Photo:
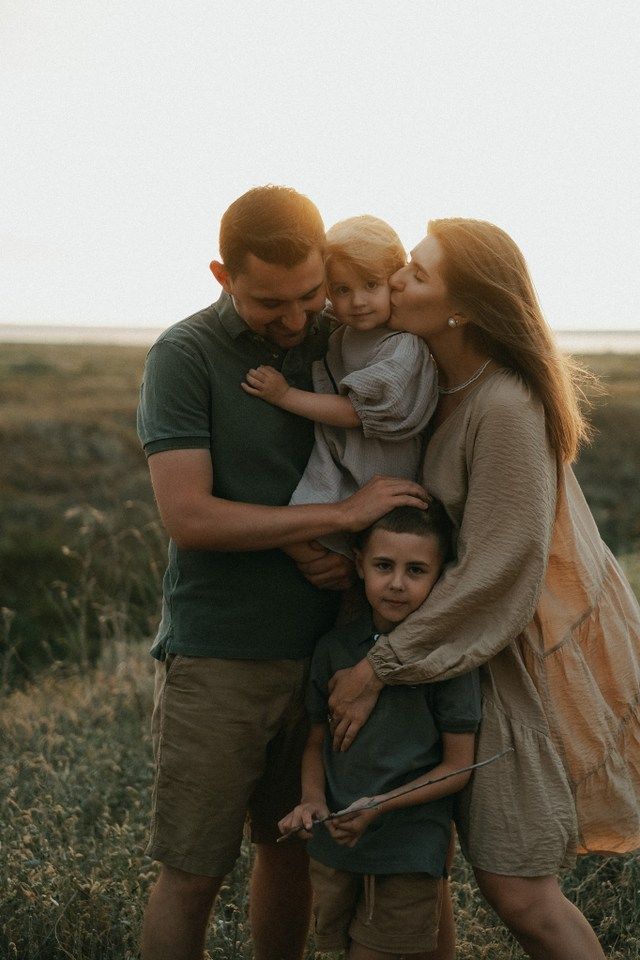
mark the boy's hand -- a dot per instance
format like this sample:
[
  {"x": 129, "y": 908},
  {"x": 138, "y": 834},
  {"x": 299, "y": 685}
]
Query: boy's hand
[
  {"x": 303, "y": 816},
  {"x": 348, "y": 830},
  {"x": 266, "y": 383}
]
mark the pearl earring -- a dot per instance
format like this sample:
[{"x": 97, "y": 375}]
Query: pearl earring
[{"x": 452, "y": 322}]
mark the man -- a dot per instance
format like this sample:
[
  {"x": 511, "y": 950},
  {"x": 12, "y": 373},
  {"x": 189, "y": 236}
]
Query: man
[{"x": 239, "y": 618}]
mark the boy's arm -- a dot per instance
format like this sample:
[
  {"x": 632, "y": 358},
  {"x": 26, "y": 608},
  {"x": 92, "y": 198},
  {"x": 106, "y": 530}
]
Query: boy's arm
[
  {"x": 457, "y": 751},
  {"x": 268, "y": 384},
  {"x": 313, "y": 804}
]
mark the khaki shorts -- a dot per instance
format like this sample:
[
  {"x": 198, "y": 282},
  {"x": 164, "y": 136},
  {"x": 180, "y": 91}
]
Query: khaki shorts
[
  {"x": 228, "y": 737},
  {"x": 395, "y": 913}
]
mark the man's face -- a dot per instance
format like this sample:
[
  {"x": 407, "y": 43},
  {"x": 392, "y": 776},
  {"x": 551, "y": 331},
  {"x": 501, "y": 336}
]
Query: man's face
[{"x": 276, "y": 302}]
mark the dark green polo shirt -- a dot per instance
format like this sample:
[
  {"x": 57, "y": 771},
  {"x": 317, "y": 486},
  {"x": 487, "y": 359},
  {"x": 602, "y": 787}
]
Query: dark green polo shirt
[
  {"x": 253, "y": 605},
  {"x": 400, "y": 741}
]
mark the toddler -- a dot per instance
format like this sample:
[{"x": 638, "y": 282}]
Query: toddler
[
  {"x": 375, "y": 390},
  {"x": 377, "y": 877}
]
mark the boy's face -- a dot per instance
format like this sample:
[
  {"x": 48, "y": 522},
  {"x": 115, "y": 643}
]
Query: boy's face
[
  {"x": 399, "y": 571},
  {"x": 360, "y": 301}
]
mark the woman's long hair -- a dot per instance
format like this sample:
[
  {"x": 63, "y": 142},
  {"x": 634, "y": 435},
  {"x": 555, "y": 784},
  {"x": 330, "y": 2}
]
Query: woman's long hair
[{"x": 485, "y": 271}]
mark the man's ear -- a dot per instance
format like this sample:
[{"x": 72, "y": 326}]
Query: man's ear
[
  {"x": 221, "y": 274},
  {"x": 357, "y": 557}
]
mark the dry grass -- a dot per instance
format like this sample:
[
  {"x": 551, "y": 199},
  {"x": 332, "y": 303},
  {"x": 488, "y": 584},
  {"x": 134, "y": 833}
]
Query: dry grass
[{"x": 75, "y": 775}]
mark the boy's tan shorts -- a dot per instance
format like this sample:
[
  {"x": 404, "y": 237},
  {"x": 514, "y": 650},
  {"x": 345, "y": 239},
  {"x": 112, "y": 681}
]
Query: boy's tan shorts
[
  {"x": 228, "y": 737},
  {"x": 394, "y": 913}
]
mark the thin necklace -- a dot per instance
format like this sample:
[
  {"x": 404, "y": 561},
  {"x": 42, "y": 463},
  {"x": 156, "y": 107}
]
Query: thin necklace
[{"x": 472, "y": 379}]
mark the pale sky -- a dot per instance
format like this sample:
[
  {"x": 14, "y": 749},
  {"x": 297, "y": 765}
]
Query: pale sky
[{"x": 129, "y": 127}]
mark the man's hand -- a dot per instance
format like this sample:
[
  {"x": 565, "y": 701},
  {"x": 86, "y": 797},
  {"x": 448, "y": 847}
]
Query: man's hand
[
  {"x": 348, "y": 830},
  {"x": 266, "y": 383},
  {"x": 329, "y": 570},
  {"x": 303, "y": 816},
  {"x": 353, "y": 695},
  {"x": 379, "y": 496}
]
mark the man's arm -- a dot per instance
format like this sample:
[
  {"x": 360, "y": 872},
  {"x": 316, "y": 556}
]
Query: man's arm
[{"x": 183, "y": 484}]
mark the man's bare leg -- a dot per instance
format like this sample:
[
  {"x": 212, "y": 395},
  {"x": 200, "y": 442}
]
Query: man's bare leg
[
  {"x": 280, "y": 901},
  {"x": 176, "y": 918}
]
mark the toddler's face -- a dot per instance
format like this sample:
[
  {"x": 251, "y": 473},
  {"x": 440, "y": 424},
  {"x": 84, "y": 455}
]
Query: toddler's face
[
  {"x": 361, "y": 302},
  {"x": 399, "y": 571}
]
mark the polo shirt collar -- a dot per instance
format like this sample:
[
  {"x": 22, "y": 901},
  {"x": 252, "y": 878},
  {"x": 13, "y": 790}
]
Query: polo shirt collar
[{"x": 230, "y": 318}]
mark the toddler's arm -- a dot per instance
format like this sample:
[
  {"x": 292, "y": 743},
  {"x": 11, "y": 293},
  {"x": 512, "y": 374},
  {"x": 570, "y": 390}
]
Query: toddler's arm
[
  {"x": 268, "y": 384},
  {"x": 457, "y": 752},
  {"x": 313, "y": 804}
]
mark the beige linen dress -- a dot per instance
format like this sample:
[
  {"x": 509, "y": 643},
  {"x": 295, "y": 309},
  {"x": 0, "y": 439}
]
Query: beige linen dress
[{"x": 537, "y": 600}]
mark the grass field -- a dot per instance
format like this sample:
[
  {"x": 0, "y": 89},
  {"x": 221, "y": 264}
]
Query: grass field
[{"x": 81, "y": 556}]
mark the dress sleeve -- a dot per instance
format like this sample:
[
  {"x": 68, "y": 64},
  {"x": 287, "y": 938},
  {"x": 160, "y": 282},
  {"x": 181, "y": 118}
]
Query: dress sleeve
[
  {"x": 483, "y": 601},
  {"x": 395, "y": 395},
  {"x": 175, "y": 404}
]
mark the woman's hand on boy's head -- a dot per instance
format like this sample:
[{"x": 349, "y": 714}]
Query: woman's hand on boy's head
[
  {"x": 303, "y": 817},
  {"x": 266, "y": 383}
]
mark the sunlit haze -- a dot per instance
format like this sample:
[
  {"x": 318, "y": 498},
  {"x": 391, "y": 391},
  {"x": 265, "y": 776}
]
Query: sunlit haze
[{"x": 128, "y": 128}]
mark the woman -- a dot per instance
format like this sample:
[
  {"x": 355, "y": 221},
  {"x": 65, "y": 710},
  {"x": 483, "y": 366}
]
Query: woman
[{"x": 535, "y": 598}]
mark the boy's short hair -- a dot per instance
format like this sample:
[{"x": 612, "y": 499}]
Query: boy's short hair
[
  {"x": 367, "y": 244},
  {"x": 275, "y": 224},
  {"x": 432, "y": 522}
]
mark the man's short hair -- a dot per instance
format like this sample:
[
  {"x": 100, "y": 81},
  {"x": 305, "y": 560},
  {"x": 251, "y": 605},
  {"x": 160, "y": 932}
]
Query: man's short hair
[
  {"x": 432, "y": 522},
  {"x": 275, "y": 224}
]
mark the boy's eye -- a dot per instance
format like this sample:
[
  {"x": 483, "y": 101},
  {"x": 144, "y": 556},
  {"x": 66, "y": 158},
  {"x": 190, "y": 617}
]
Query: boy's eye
[
  {"x": 383, "y": 565},
  {"x": 416, "y": 570},
  {"x": 372, "y": 284},
  {"x": 340, "y": 291}
]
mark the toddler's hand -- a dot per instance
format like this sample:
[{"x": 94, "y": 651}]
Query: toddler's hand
[
  {"x": 304, "y": 816},
  {"x": 266, "y": 383},
  {"x": 348, "y": 830}
]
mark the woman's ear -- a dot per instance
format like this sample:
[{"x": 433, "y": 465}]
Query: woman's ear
[{"x": 221, "y": 274}]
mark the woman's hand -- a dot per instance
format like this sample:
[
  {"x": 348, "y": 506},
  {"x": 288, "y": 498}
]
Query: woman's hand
[
  {"x": 304, "y": 816},
  {"x": 353, "y": 693},
  {"x": 348, "y": 830},
  {"x": 266, "y": 383},
  {"x": 379, "y": 496}
]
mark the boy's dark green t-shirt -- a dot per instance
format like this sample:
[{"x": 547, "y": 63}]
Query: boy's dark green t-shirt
[
  {"x": 401, "y": 740},
  {"x": 251, "y": 605}
]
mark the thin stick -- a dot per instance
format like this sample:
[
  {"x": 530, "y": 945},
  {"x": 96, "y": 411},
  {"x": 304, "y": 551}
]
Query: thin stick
[{"x": 373, "y": 804}]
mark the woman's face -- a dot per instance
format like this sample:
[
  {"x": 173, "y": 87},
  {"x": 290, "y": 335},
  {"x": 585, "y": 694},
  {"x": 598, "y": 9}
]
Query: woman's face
[{"x": 420, "y": 302}]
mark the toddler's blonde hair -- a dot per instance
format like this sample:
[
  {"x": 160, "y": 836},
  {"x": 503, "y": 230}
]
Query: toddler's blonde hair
[{"x": 367, "y": 244}]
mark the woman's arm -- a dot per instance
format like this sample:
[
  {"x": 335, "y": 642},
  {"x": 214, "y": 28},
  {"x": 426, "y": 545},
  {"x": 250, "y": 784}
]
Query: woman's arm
[
  {"x": 268, "y": 384},
  {"x": 485, "y": 600}
]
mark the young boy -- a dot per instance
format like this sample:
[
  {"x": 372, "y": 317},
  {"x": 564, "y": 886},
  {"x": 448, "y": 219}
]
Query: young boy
[{"x": 377, "y": 877}]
